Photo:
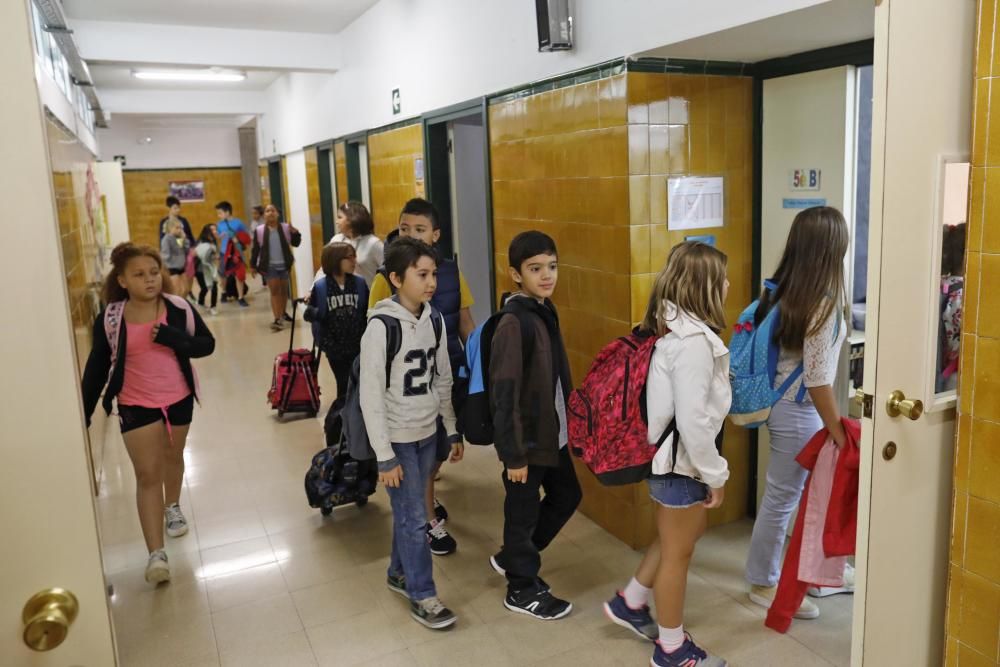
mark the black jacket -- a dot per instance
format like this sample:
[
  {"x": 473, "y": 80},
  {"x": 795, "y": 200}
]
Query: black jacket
[
  {"x": 173, "y": 335},
  {"x": 260, "y": 259}
]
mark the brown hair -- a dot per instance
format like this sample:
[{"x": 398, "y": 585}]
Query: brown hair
[
  {"x": 358, "y": 217},
  {"x": 120, "y": 257},
  {"x": 333, "y": 255},
  {"x": 692, "y": 280},
  {"x": 810, "y": 276}
]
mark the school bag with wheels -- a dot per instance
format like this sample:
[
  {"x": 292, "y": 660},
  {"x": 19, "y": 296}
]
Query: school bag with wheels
[
  {"x": 295, "y": 379},
  {"x": 475, "y": 421},
  {"x": 753, "y": 362},
  {"x": 335, "y": 478},
  {"x": 606, "y": 415},
  {"x": 355, "y": 433}
]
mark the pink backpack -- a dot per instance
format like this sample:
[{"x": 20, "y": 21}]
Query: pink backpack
[
  {"x": 284, "y": 227},
  {"x": 114, "y": 316},
  {"x": 607, "y": 414}
]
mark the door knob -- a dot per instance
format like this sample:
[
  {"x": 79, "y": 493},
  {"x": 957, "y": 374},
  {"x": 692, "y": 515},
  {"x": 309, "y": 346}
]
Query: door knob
[
  {"x": 899, "y": 405},
  {"x": 47, "y": 617}
]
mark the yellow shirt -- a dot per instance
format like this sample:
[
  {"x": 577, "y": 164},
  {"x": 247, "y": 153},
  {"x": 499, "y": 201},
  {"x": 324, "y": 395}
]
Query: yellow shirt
[{"x": 380, "y": 290}]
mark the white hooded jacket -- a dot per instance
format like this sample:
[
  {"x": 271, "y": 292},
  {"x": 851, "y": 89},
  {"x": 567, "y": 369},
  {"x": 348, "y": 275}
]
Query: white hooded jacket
[{"x": 419, "y": 384}]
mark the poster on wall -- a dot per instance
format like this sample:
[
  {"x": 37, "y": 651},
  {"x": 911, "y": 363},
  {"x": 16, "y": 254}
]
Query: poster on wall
[
  {"x": 694, "y": 202},
  {"x": 188, "y": 191}
]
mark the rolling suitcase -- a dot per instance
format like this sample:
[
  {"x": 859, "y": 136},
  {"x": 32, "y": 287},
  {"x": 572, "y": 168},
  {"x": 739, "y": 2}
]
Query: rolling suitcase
[{"x": 295, "y": 379}]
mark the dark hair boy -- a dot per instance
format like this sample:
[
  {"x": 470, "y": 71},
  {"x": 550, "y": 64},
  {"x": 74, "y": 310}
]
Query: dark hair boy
[{"x": 174, "y": 213}]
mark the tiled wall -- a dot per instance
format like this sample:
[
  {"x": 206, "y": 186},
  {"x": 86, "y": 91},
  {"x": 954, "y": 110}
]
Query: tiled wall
[
  {"x": 315, "y": 210},
  {"x": 391, "y": 158},
  {"x": 973, "y": 626},
  {"x": 340, "y": 171},
  {"x": 146, "y": 192},
  {"x": 588, "y": 164}
]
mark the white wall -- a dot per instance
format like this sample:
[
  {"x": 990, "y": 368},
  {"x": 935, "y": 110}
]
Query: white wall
[
  {"x": 298, "y": 215},
  {"x": 112, "y": 186},
  {"x": 440, "y": 52},
  {"x": 173, "y": 146}
]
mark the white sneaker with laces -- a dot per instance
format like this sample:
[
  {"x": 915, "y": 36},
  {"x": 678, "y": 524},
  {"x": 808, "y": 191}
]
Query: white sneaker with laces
[
  {"x": 764, "y": 596},
  {"x": 157, "y": 568},
  {"x": 214, "y": 311},
  {"x": 177, "y": 525},
  {"x": 827, "y": 591}
]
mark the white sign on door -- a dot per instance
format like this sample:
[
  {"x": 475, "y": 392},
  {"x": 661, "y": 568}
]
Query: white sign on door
[
  {"x": 694, "y": 202},
  {"x": 805, "y": 179}
]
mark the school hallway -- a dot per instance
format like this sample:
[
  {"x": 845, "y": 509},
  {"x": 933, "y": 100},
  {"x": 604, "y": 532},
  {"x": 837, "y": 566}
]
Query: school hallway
[{"x": 263, "y": 579}]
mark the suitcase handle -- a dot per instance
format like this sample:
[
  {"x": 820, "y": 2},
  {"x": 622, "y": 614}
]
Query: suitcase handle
[{"x": 291, "y": 336}]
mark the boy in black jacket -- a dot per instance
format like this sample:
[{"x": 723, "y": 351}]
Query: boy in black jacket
[{"x": 529, "y": 418}]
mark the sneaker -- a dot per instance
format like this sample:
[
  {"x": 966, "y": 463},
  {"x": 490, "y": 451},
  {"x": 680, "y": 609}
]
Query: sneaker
[
  {"x": 442, "y": 544},
  {"x": 214, "y": 311},
  {"x": 827, "y": 591},
  {"x": 764, "y": 596},
  {"x": 243, "y": 303},
  {"x": 539, "y": 603},
  {"x": 638, "y": 621},
  {"x": 288, "y": 318},
  {"x": 440, "y": 513},
  {"x": 432, "y": 614},
  {"x": 397, "y": 584},
  {"x": 157, "y": 569},
  {"x": 688, "y": 655},
  {"x": 177, "y": 525},
  {"x": 499, "y": 569},
  {"x": 224, "y": 299},
  {"x": 276, "y": 325}
]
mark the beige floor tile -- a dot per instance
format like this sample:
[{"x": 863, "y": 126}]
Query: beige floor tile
[
  {"x": 354, "y": 640},
  {"x": 140, "y": 607},
  {"x": 188, "y": 640},
  {"x": 230, "y": 558},
  {"x": 475, "y": 647},
  {"x": 263, "y": 619},
  {"x": 246, "y": 585},
  {"x": 234, "y": 527},
  {"x": 291, "y": 650},
  {"x": 398, "y": 659},
  {"x": 333, "y": 601},
  {"x": 529, "y": 640},
  {"x": 307, "y": 568}
]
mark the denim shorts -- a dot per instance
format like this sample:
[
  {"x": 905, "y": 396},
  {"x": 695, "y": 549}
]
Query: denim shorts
[
  {"x": 677, "y": 491},
  {"x": 276, "y": 274}
]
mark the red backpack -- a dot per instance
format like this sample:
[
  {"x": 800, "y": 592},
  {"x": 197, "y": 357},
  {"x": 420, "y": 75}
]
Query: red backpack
[{"x": 607, "y": 414}]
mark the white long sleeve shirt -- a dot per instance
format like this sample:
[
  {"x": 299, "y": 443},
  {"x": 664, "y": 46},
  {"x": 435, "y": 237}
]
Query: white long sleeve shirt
[{"x": 689, "y": 378}]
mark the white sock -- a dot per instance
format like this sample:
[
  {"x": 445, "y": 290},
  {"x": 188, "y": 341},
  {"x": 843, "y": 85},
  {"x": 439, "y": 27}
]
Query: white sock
[
  {"x": 671, "y": 639},
  {"x": 636, "y": 595}
]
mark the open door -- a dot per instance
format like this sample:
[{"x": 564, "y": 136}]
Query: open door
[{"x": 921, "y": 123}]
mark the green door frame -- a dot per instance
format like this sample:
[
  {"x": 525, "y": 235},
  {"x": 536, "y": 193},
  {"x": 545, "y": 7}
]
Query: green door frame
[
  {"x": 351, "y": 146},
  {"x": 324, "y": 173},
  {"x": 276, "y": 184}
]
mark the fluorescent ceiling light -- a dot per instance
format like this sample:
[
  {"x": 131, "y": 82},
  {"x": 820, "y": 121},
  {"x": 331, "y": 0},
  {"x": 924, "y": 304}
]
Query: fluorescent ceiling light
[{"x": 211, "y": 75}]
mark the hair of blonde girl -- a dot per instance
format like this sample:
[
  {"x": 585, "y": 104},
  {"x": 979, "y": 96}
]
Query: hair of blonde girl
[
  {"x": 173, "y": 225},
  {"x": 693, "y": 280}
]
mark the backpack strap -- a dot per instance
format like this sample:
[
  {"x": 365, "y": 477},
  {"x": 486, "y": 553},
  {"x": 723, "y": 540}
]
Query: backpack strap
[
  {"x": 393, "y": 342},
  {"x": 437, "y": 320},
  {"x": 114, "y": 316},
  {"x": 182, "y": 303}
]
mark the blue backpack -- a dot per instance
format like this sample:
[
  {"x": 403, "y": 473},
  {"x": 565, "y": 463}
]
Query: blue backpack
[{"x": 753, "y": 363}]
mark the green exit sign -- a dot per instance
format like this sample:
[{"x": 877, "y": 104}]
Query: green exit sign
[{"x": 397, "y": 103}]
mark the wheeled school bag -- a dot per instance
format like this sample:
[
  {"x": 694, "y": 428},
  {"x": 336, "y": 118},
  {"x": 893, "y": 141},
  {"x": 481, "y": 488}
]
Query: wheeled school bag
[
  {"x": 335, "y": 478},
  {"x": 355, "y": 433},
  {"x": 475, "y": 421},
  {"x": 295, "y": 379},
  {"x": 753, "y": 362},
  {"x": 606, "y": 416}
]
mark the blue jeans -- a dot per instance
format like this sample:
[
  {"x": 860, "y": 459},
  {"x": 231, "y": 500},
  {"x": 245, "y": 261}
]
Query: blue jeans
[
  {"x": 411, "y": 554},
  {"x": 677, "y": 491},
  {"x": 790, "y": 426}
]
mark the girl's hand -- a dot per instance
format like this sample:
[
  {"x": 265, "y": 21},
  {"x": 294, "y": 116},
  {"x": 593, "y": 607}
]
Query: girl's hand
[
  {"x": 518, "y": 475},
  {"x": 457, "y": 452},
  {"x": 393, "y": 478},
  {"x": 715, "y": 497}
]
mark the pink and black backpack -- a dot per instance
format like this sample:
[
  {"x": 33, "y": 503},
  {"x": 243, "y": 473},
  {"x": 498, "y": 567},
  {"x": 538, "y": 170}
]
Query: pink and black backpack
[{"x": 607, "y": 415}]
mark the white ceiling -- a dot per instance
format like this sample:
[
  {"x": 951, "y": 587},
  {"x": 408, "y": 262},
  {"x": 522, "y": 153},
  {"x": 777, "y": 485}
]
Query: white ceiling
[
  {"x": 190, "y": 121},
  {"x": 829, "y": 24},
  {"x": 320, "y": 16},
  {"x": 119, "y": 75}
]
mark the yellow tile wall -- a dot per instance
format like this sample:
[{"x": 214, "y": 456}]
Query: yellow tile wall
[
  {"x": 973, "y": 625},
  {"x": 340, "y": 171},
  {"x": 391, "y": 157},
  {"x": 315, "y": 209},
  {"x": 588, "y": 165},
  {"x": 146, "y": 191}
]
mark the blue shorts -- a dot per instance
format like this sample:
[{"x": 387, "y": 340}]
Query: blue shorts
[
  {"x": 677, "y": 491},
  {"x": 276, "y": 273}
]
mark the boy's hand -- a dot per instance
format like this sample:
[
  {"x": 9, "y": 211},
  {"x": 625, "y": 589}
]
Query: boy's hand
[
  {"x": 457, "y": 452},
  {"x": 715, "y": 497},
  {"x": 393, "y": 478},
  {"x": 518, "y": 475}
]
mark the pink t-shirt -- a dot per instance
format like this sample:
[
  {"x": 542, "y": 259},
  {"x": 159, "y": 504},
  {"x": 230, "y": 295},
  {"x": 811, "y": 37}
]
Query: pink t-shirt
[{"x": 153, "y": 376}]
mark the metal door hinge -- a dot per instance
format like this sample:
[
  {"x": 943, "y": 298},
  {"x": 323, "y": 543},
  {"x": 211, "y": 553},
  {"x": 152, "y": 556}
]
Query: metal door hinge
[{"x": 866, "y": 402}]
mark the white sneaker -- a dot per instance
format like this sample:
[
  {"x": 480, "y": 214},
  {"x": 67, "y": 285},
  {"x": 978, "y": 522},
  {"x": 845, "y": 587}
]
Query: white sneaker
[
  {"x": 827, "y": 591},
  {"x": 764, "y": 596},
  {"x": 157, "y": 568},
  {"x": 177, "y": 525},
  {"x": 214, "y": 311}
]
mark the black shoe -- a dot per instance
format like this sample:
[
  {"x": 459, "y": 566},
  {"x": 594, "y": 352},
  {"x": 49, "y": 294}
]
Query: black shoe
[
  {"x": 442, "y": 544},
  {"x": 440, "y": 513},
  {"x": 432, "y": 614},
  {"x": 397, "y": 584},
  {"x": 243, "y": 303},
  {"x": 538, "y": 603},
  {"x": 288, "y": 318},
  {"x": 224, "y": 299},
  {"x": 502, "y": 571}
]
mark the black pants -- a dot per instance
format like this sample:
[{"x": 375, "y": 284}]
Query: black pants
[
  {"x": 205, "y": 290},
  {"x": 341, "y": 371},
  {"x": 531, "y": 523}
]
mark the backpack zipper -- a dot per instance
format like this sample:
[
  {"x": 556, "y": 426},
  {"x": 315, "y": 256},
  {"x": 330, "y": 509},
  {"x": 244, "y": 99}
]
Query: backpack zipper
[{"x": 590, "y": 423}]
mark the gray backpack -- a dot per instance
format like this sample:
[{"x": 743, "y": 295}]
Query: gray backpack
[{"x": 354, "y": 432}]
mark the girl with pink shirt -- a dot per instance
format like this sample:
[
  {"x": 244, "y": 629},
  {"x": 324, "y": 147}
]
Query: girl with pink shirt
[{"x": 143, "y": 343}]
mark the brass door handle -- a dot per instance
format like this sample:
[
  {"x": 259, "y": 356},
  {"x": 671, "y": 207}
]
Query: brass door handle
[
  {"x": 899, "y": 405},
  {"x": 47, "y": 617}
]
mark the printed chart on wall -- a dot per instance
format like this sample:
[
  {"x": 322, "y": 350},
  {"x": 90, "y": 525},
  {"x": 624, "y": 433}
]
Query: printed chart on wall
[{"x": 694, "y": 202}]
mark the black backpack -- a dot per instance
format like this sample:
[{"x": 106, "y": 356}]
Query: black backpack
[
  {"x": 335, "y": 478},
  {"x": 355, "y": 434}
]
